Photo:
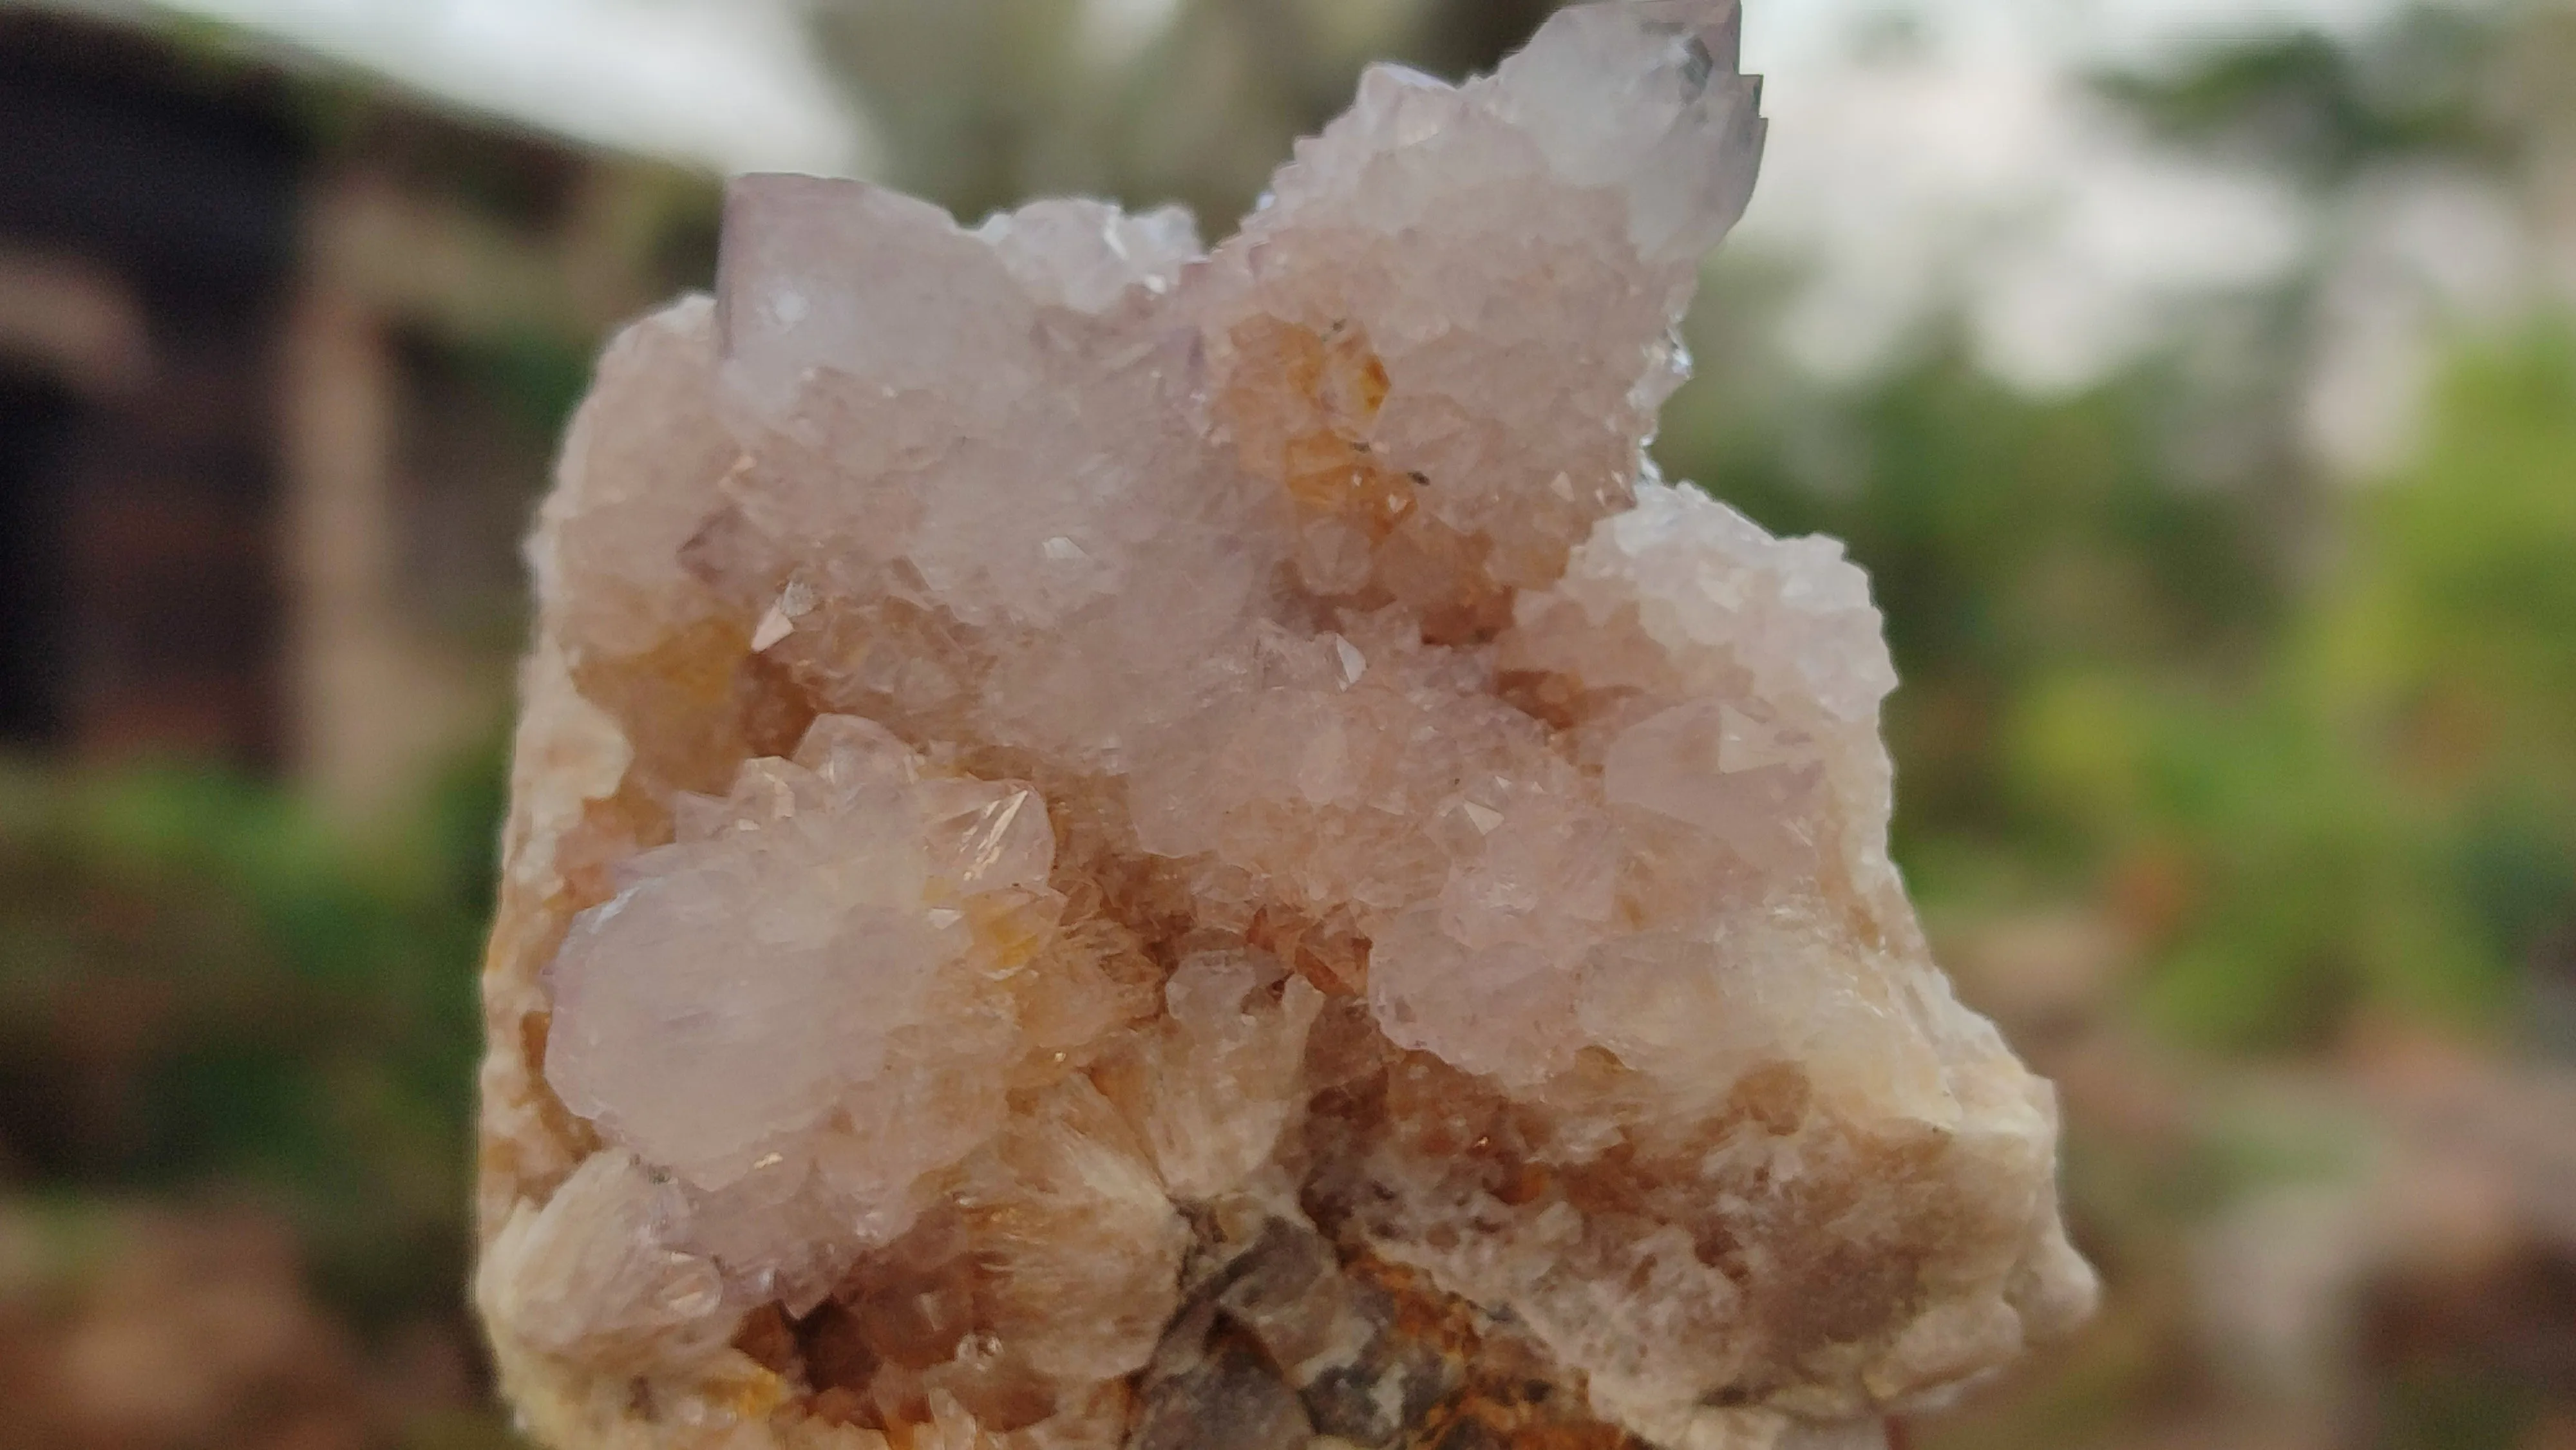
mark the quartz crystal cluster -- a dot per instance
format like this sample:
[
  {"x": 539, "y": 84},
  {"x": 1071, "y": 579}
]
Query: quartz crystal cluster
[{"x": 1116, "y": 845}]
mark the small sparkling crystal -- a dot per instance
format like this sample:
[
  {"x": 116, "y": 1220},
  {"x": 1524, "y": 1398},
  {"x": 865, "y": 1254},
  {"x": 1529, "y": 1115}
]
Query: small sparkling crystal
[{"x": 1120, "y": 846}]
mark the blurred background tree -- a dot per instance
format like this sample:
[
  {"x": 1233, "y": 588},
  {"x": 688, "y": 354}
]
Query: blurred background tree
[{"x": 984, "y": 103}]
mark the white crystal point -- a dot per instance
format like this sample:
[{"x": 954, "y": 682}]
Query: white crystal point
[
  {"x": 637, "y": 478},
  {"x": 1645, "y": 95},
  {"x": 1544, "y": 225},
  {"x": 1119, "y": 848},
  {"x": 785, "y": 1009},
  {"x": 594, "y": 1273},
  {"x": 794, "y": 297},
  {"x": 1087, "y": 255}
]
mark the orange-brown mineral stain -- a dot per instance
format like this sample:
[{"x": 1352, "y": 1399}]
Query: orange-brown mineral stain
[
  {"x": 1302, "y": 405},
  {"x": 1010, "y": 928},
  {"x": 1332, "y": 955},
  {"x": 1509, "y": 1396}
]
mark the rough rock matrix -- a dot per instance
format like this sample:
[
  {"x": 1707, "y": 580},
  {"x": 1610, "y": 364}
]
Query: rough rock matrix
[{"x": 1116, "y": 846}]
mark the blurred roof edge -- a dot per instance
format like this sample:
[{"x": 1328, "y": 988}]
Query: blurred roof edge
[{"x": 725, "y": 86}]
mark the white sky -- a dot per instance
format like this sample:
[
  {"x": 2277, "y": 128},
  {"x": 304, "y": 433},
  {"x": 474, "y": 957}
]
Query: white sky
[
  {"x": 730, "y": 85},
  {"x": 1969, "y": 167}
]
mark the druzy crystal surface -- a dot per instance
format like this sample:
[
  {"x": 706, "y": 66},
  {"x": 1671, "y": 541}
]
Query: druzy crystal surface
[{"x": 1121, "y": 845}]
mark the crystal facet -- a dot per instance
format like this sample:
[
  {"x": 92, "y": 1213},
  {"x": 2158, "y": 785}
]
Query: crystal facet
[{"x": 1119, "y": 846}]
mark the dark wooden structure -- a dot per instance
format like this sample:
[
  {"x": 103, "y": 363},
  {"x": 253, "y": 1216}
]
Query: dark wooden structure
[
  {"x": 152, "y": 210},
  {"x": 282, "y": 354}
]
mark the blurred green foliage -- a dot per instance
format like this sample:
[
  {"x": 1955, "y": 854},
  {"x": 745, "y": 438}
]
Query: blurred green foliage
[
  {"x": 2324, "y": 109},
  {"x": 2308, "y": 789},
  {"x": 2380, "y": 816},
  {"x": 204, "y": 989},
  {"x": 2307, "y": 741}
]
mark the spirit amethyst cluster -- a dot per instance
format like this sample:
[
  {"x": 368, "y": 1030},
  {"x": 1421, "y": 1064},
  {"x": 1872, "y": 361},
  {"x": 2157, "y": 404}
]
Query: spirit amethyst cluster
[{"x": 1116, "y": 845}]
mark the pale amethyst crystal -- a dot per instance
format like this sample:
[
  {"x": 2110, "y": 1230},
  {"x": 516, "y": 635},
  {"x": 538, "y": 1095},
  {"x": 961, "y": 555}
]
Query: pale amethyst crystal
[{"x": 1119, "y": 846}]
